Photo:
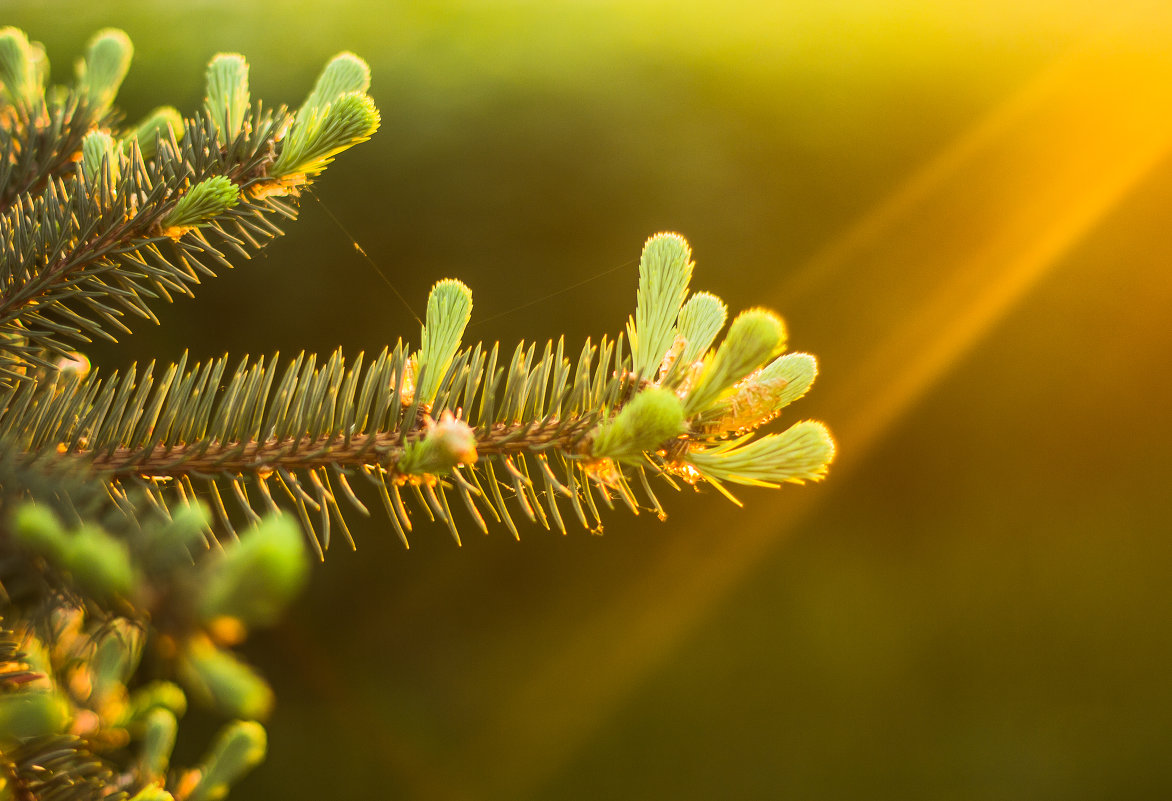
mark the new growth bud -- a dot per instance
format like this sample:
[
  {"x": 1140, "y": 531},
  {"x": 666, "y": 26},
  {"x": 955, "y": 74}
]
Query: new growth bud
[
  {"x": 760, "y": 396},
  {"x": 329, "y": 123},
  {"x": 255, "y": 578},
  {"x": 753, "y": 337},
  {"x": 202, "y": 202},
  {"x": 223, "y": 682},
  {"x": 31, "y": 713},
  {"x": 445, "y": 444},
  {"x": 99, "y": 563},
  {"x": 653, "y": 417},
  {"x": 23, "y": 68},
  {"x": 239, "y": 748},
  {"x": 152, "y": 128},
  {"x": 345, "y": 73},
  {"x": 100, "y": 73},
  {"x": 227, "y": 93},
  {"x": 98, "y": 154}
]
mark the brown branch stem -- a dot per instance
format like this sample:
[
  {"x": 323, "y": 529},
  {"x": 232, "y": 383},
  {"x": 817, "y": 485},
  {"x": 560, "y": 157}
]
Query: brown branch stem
[{"x": 301, "y": 453}]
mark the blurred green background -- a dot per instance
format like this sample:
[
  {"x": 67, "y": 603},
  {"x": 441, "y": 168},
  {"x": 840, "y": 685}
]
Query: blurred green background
[{"x": 962, "y": 208}]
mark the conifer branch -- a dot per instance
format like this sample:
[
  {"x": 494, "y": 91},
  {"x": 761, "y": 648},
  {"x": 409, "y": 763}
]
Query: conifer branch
[
  {"x": 169, "y": 509},
  {"x": 120, "y": 230},
  {"x": 443, "y": 419}
]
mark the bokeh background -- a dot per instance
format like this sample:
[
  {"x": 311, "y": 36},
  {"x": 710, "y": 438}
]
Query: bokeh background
[{"x": 962, "y": 208}]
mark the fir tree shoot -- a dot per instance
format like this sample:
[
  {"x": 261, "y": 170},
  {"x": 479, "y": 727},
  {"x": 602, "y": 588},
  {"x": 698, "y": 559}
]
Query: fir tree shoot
[
  {"x": 164, "y": 122},
  {"x": 205, "y": 201},
  {"x": 219, "y": 679},
  {"x": 324, "y": 131},
  {"x": 227, "y": 93},
  {"x": 753, "y": 337},
  {"x": 700, "y": 320},
  {"x": 345, "y": 74},
  {"x": 23, "y": 67},
  {"x": 239, "y": 748},
  {"x": 665, "y": 268},
  {"x": 98, "y": 156},
  {"x": 650, "y": 420},
  {"x": 159, "y": 729},
  {"x": 801, "y": 453},
  {"x": 100, "y": 73},
  {"x": 449, "y": 307}
]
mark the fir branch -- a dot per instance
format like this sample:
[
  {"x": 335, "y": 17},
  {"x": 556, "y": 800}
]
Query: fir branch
[
  {"x": 162, "y": 508},
  {"x": 437, "y": 420},
  {"x": 44, "y": 130},
  {"x": 91, "y": 249}
]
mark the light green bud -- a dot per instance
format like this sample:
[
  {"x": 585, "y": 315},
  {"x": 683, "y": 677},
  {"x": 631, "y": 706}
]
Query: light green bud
[
  {"x": 324, "y": 132},
  {"x": 255, "y": 578},
  {"x": 152, "y": 127},
  {"x": 445, "y": 444},
  {"x": 106, "y": 62},
  {"x": 39, "y": 530},
  {"x": 653, "y": 417},
  {"x": 344, "y": 73},
  {"x": 220, "y": 680},
  {"x": 31, "y": 713},
  {"x": 97, "y": 148},
  {"x": 99, "y": 563},
  {"x": 152, "y": 793},
  {"x": 238, "y": 748},
  {"x": 202, "y": 202},
  {"x": 754, "y": 336},
  {"x": 159, "y": 730},
  {"x": 23, "y": 67},
  {"x": 227, "y": 93},
  {"x": 156, "y": 695}
]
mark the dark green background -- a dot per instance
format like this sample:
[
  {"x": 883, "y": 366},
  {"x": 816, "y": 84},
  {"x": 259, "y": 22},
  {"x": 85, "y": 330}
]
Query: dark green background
[{"x": 974, "y": 605}]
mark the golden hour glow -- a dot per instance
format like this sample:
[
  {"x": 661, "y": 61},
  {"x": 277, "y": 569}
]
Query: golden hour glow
[
  {"x": 1038, "y": 173},
  {"x": 961, "y": 209}
]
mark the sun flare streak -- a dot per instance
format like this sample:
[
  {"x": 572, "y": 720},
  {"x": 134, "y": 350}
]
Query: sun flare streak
[{"x": 958, "y": 245}]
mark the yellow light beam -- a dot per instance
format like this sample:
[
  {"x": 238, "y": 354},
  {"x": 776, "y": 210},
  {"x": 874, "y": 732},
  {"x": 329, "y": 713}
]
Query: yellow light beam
[{"x": 944, "y": 258}]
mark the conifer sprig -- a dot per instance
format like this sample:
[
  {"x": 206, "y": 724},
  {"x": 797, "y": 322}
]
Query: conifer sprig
[
  {"x": 166, "y": 509},
  {"x": 434, "y": 422},
  {"x": 120, "y": 230}
]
